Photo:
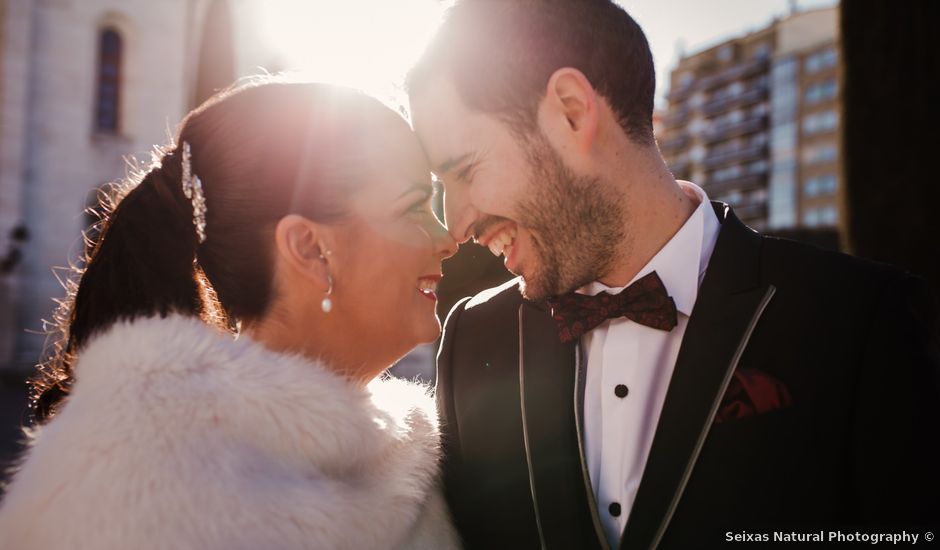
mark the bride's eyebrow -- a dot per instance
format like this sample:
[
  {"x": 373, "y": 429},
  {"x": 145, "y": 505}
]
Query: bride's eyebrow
[{"x": 424, "y": 188}]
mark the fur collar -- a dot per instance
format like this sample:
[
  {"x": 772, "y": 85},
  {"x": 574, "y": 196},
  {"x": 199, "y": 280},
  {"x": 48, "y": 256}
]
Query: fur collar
[{"x": 177, "y": 436}]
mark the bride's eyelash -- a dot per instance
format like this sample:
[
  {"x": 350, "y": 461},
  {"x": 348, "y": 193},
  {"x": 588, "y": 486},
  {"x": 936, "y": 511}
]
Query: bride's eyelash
[{"x": 424, "y": 204}]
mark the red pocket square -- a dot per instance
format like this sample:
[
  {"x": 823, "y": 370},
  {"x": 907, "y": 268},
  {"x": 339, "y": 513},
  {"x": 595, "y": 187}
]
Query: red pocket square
[{"x": 752, "y": 392}]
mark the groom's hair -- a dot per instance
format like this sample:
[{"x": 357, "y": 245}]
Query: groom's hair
[{"x": 501, "y": 54}]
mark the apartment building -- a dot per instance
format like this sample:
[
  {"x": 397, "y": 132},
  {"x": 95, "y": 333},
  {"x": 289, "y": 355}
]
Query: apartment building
[{"x": 754, "y": 120}]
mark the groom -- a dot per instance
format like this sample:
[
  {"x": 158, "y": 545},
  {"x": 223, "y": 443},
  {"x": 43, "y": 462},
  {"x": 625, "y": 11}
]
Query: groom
[{"x": 660, "y": 375}]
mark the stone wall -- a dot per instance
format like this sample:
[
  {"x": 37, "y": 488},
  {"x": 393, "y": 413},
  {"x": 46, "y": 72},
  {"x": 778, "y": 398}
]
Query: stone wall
[{"x": 52, "y": 158}]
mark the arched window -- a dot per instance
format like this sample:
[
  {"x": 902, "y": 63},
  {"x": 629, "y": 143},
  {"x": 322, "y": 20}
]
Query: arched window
[{"x": 108, "y": 94}]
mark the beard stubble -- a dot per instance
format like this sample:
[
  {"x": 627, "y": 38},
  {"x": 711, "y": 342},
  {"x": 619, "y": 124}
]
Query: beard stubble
[{"x": 577, "y": 232}]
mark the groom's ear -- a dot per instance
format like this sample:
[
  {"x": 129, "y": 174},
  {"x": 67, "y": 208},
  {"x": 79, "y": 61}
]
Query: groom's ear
[{"x": 568, "y": 114}]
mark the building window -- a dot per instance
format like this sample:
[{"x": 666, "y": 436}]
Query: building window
[
  {"x": 726, "y": 53},
  {"x": 818, "y": 123},
  {"x": 784, "y": 70},
  {"x": 781, "y": 202},
  {"x": 818, "y": 154},
  {"x": 821, "y": 60},
  {"x": 732, "y": 197},
  {"x": 763, "y": 51},
  {"x": 725, "y": 174},
  {"x": 726, "y": 147},
  {"x": 822, "y": 216},
  {"x": 785, "y": 96},
  {"x": 108, "y": 93},
  {"x": 757, "y": 196},
  {"x": 757, "y": 167},
  {"x": 821, "y": 185},
  {"x": 728, "y": 119},
  {"x": 823, "y": 91}
]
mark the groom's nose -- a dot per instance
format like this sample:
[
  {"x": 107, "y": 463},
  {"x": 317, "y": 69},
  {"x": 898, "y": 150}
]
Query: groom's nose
[{"x": 459, "y": 215}]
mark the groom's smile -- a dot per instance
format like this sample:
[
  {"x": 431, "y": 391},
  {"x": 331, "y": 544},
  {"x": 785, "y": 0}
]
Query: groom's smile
[
  {"x": 510, "y": 190},
  {"x": 502, "y": 242},
  {"x": 513, "y": 242}
]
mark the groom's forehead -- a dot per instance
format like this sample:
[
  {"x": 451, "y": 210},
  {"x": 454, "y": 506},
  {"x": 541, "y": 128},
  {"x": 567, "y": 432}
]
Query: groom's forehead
[
  {"x": 443, "y": 122},
  {"x": 450, "y": 131},
  {"x": 437, "y": 99}
]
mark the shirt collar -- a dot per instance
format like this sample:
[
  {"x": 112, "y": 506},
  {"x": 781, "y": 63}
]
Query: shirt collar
[{"x": 682, "y": 261}]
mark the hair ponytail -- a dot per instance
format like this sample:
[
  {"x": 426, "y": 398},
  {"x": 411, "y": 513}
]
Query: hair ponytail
[
  {"x": 262, "y": 150},
  {"x": 141, "y": 264}
]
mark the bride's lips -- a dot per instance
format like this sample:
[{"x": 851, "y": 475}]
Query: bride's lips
[{"x": 427, "y": 286}]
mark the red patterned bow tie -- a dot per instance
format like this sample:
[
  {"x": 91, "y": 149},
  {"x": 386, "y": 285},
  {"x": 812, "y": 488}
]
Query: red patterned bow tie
[{"x": 645, "y": 301}]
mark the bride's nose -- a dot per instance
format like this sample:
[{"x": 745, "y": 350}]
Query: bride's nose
[{"x": 442, "y": 243}]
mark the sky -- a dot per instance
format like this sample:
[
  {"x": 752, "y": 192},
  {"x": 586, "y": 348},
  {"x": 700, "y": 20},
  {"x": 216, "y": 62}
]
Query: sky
[{"x": 368, "y": 51}]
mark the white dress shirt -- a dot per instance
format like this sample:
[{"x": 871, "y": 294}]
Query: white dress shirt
[{"x": 618, "y": 431}]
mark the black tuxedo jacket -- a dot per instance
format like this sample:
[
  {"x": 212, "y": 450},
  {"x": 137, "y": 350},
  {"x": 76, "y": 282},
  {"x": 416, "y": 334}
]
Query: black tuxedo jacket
[{"x": 852, "y": 341}]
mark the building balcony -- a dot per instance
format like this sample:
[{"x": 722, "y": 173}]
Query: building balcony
[
  {"x": 678, "y": 95},
  {"x": 744, "y": 154},
  {"x": 678, "y": 117},
  {"x": 735, "y": 72},
  {"x": 750, "y": 212},
  {"x": 750, "y": 96},
  {"x": 726, "y": 131},
  {"x": 680, "y": 166},
  {"x": 675, "y": 143},
  {"x": 744, "y": 183}
]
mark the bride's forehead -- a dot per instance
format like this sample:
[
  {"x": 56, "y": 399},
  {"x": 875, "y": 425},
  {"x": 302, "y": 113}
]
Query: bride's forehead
[
  {"x": 390, "y": 180},
  {"x": 396, "y": 151}
]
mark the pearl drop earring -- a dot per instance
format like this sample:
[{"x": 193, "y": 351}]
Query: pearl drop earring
[{"x": 327, "y": 303}]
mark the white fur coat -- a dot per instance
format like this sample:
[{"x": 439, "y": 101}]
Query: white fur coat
[{"x": 178, "y": 437}]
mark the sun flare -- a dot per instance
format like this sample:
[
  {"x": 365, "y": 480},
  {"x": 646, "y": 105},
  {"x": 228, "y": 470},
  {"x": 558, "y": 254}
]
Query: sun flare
[{"x": 369, "y": 44}]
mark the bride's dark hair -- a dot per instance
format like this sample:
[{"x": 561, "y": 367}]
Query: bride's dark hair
[{"x": 262, "y": 149}]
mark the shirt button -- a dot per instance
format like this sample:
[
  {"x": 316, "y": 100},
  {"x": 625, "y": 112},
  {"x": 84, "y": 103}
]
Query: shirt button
[
  {"x": 614, "y": 509},
  {"x": 621, "y": 391}
]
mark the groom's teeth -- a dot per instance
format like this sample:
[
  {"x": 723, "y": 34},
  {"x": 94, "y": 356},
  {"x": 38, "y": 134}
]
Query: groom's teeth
[{"x": 499, "y": 243}]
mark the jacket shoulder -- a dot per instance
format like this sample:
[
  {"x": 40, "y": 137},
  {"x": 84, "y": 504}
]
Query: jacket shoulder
[
  {"x": 496, "y": 303},
  {"x": 788, "y": 260},
  {"x": 506, "y": 294}
]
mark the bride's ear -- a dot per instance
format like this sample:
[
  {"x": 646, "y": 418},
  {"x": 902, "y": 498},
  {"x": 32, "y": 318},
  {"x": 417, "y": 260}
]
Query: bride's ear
[{"x": 298, "y": 246}]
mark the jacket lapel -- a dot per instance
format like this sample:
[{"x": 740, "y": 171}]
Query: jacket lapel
[
  {"x": 548, "y": 388},
  {"x": 728, "y": 307}
]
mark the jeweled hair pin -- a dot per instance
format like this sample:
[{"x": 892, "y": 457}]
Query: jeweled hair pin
[{"x": 192, "y": 188}]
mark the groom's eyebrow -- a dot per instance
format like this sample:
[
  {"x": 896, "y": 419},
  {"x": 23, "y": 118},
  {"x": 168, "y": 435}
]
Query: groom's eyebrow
[{"x": 450, "y": 163}]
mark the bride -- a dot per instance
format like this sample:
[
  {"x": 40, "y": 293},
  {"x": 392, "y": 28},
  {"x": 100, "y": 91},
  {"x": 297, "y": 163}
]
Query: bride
[{"x": 218, "y": 385}]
